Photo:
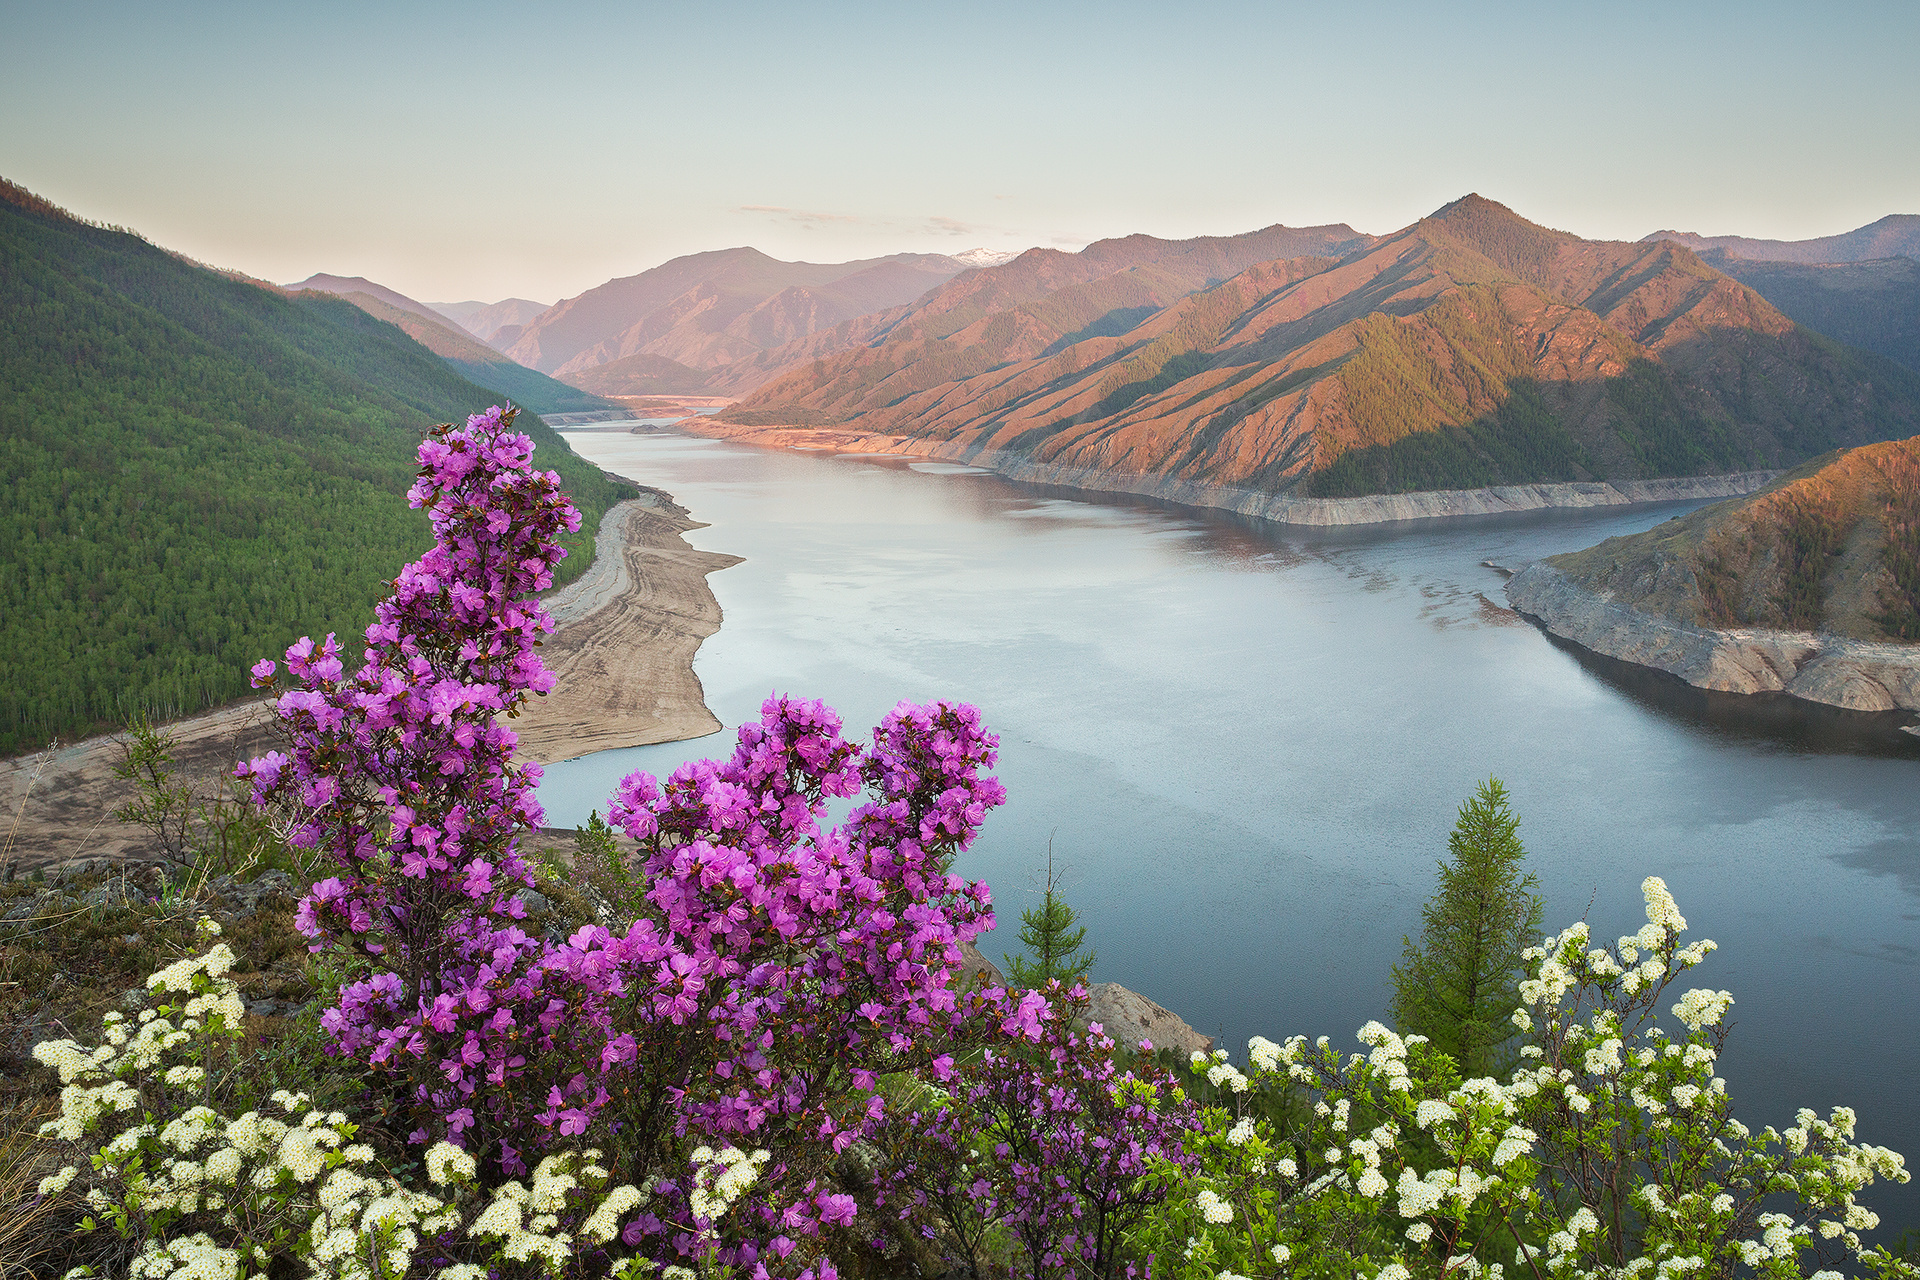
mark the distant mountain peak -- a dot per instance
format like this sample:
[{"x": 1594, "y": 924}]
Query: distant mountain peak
[
  {"x": 1895, "y": 236},
  {"x": 986, "y": 257},
  {"x": 1474, "y": 214}
]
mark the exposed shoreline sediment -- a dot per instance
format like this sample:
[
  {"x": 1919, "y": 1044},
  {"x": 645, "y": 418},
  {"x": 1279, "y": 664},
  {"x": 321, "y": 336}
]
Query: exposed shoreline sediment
[
  {"x": 623, "y": 649},
  {"x": 1279, "y": 508},
  {"x": 1857, "y": 675}
]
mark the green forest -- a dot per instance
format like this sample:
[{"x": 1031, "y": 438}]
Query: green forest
[{"x": 196, "y": 471}]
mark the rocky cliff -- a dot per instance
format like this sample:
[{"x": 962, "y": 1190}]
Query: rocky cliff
[{"x": 1810, "y": 587}]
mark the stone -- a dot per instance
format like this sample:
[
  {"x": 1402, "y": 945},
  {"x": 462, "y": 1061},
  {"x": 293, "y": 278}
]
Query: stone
[
  {"x": 1129, "y": 1017},
  {"x": 537, "y": 903},
  {"x": 975, "y": 966},
  {"x": 268, "y": 886}
]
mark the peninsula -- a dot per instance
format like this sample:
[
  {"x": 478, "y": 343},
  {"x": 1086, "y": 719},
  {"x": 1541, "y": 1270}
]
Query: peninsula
[{"x": 1810, "y": 587}]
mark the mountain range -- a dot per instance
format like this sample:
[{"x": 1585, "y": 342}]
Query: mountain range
[
  {"x": 710, "y": 309},
  {"x": 485, "y": 319},
  {"x": 1472, "y": 348},
  {"x": 1895, "y": 236}
]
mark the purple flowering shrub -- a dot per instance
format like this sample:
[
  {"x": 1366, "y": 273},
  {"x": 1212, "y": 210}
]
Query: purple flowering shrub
[
  {"x": 1042, "y": 1135},
  {"x": 775, "y": 970}
]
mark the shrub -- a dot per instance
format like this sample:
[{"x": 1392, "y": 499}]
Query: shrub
[{"x": 1612, "y": 1151}]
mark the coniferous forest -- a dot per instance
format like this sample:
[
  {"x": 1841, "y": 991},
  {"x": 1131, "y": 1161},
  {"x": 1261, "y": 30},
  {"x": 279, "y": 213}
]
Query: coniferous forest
[{"x": 195, "y": 470}]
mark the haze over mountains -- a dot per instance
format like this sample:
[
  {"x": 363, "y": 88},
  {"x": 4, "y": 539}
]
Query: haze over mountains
[
  {"x": 1473, "y": 348},
  {"x": 711, "y": 309},
  {"x": 1895, "y": 236},
  {"x": 485, "y": 319}
]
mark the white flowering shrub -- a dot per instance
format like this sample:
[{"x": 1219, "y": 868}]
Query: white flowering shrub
[
  {"x": 200, "y": 1195},
  {"x": 1612, "y": 1151}
]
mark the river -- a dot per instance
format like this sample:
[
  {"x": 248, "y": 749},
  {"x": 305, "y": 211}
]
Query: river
[{"x": 1247, "y": 745}]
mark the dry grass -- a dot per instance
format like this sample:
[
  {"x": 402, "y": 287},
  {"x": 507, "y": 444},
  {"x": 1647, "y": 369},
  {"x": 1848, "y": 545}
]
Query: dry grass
[{"x": 35, "y": 1231}]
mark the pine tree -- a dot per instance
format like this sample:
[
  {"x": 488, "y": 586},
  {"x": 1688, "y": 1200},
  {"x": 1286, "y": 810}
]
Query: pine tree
[
  {"x": 1460, "y": 985},
  {"x": 1051, "y": 939}
]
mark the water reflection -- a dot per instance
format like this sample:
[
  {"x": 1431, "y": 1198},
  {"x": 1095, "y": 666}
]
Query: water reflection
[{"x": 1762, "y": 721}]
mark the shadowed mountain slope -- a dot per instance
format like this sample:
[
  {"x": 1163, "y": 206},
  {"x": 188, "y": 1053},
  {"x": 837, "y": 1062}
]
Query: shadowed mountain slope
[
  {"x": 646, "y": 375},
  {"x": 1473, "y": 348},
  {"x": 1894, "y": 236},
  {"x": 1873, "y": 305},
  {"x": 708, "y": 309},
  {"x": 1833, "y": 546},
  {"x": 481, "y": 364}
]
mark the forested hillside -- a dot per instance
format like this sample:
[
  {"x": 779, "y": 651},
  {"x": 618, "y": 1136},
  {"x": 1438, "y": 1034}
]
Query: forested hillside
[
  {"x": 195, "y": 471},
  {"x": 1871, "y": 305}
]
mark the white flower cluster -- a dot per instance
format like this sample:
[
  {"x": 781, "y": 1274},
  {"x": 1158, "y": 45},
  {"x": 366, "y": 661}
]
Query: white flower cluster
[
  {"x": 1219, "y": 1070},
  {"x": 1212, "y": 1207},
  {"x": 1599, "y": 1078},
  {"x": 301, "y": 1178},
  {"x": 1702, "y": 1008},
  {"x": 720, "y": 1178}
]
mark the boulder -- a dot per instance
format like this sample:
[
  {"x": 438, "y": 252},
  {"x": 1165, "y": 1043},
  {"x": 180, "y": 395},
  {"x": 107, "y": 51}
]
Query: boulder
[
  {"x": 1129, "y": 1017},
  {"x": 974, "y": 966}
]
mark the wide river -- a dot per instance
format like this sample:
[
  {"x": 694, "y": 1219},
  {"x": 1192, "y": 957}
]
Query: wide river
[{"x": 1248, "y": 743}]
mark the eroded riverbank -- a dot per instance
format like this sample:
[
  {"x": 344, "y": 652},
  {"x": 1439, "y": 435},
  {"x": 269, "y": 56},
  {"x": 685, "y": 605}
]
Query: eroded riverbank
[
  {"x": 1853, "y": 674},
  {"x": 622, "y": 651},
  {"x": 1316, "y": 513}
]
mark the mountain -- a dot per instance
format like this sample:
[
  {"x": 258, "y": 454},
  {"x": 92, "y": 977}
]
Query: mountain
[
  {"x": 1895, "y": 236},
  {"x": 1038, "y": 303},
  {"x": 985, "y": 257},
  {"x": 481, "y": 364},
  {"x": 1831, "y": 547},
  {"x": 465, "y": 353},
  {"x": 641, "y": 374},
  {"x": 484, "y": 319},
  {"x": 1873, "y": 305},
  {"x": 1470, "y": 349},
  {"x": 196, "y": 471},
  {"x": 343, "y": 285},
  {"x": 708, "y": 309}
]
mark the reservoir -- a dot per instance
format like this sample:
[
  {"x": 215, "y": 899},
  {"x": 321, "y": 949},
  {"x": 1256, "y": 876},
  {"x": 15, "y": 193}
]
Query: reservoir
[{"x": 1248, "y": 743}]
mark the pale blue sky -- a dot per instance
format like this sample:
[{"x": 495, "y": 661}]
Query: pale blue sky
[{"x": 480, "y": 150}]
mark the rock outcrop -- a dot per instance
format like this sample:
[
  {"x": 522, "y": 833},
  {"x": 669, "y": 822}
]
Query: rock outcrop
[
  {"x": 1129, "y": 1017},
  {"x": 1811, "y": 587},
  {"x": 1859, "y": 675}
]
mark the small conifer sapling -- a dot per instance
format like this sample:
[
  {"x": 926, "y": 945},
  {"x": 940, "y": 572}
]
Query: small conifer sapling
[
  {"x": 1052, "y": 940},
  {"x": 1460, "y": 985}
]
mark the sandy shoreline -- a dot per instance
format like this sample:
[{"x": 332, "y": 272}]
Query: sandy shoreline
[{"x": 623, "y": 652}]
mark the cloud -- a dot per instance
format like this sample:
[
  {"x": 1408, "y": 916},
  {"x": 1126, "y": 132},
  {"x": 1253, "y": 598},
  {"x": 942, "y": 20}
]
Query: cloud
[
  {"x": 951, "y": 227},
  {"x": 802, "y": 216}
]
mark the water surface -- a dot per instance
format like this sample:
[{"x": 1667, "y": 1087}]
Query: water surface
[{"x": 1248, "y": 745}]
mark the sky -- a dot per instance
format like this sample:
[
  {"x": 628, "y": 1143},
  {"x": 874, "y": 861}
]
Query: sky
[{"x": 482, "y": 151}]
